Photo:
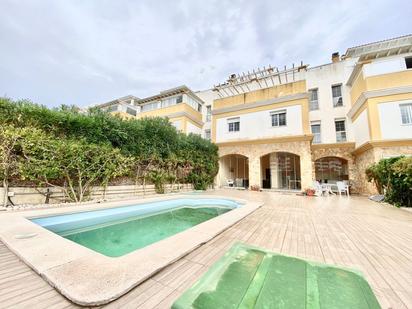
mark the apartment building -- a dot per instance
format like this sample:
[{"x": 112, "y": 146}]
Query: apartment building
[
  {"x": 283, "y": 128},
  {"x": 181, "y": 105}
]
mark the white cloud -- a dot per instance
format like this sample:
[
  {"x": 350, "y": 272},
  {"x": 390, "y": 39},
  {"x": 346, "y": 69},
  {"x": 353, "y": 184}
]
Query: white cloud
[{"x": 82, "y": 52}]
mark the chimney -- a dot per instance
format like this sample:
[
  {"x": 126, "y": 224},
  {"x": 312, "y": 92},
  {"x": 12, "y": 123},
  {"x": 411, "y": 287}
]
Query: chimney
[{"x": 335, "y": 57}]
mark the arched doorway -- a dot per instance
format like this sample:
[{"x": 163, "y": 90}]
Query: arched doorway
[
  {"x": 331, "y": 169},
  {"x": 234, "y": 171},
  {"x": 280, "y": 170}
]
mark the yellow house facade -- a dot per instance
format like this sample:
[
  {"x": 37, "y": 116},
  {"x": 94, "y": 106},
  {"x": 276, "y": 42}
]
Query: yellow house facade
[{"x": 283, "y": 129}]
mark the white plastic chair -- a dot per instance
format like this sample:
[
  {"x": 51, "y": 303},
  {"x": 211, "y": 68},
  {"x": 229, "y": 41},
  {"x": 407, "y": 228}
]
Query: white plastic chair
[
  {"x": 342, "y": 188},
  {"x": 319, "y": 190},
  {"x": 230, "y": 182}
]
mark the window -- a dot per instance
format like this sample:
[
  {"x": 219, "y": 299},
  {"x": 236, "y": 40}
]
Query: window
[
  {"x": 234, "y": 124},
  {"x": 131, "y": 111},
  {"x": 331, "y": 169},
  {"x": 340, "y": 131},
  {"x": 171, "y": 101},
  {"x": 406, "y": 113},
  {"x": 150, "y": 106},
  {"x": 195, "y": 104},
  {"x": 315, "y": 127},
  {"x": 112, "y": 108},
  {"x": 207, "y": 134},
  {"x": 278, "y": 118},
  {"x": 408, "y": 62},
  {"x": 208, "y": 113},
  {"x": 337, "y": 95},
  {"x": 313, "y": 103}
]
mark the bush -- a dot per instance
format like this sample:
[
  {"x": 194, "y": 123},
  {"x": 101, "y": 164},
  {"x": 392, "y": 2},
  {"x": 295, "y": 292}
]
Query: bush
[
  {"x": 393, "y": 177},
  {"x": 143, "y": 149},
  {"x": 72, "y": 165}
]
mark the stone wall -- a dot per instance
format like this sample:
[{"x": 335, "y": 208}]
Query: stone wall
[
  {"x": 254, "y": 151},
  {"x": 362, "y": 161},
  {"x": 344, "y": 152},
  {"x": 33, "y": 196},
  {"x": 373, "y": 155},
  {"x": 308, "y": 155}
]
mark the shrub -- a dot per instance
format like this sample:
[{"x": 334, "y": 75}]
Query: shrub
[
  {"x": 149, "y": 148},
  {"x": 201, "y": 159},
  {"x": 9, "y": 155},
  {"x": 72, "y": 165},
  {"x": 393, "y": 177}
]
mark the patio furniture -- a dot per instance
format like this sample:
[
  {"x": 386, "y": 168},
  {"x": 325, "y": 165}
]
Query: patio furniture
[
  {"x": 230, "y": 182},
  {"x": 342, "y": 188},
  {"x": 319, "y": 190},
  {"x": 327, "y": 187}
]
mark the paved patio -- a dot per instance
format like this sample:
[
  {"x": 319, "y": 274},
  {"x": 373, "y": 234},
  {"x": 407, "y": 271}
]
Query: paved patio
[{"x": 352, "y": 232}]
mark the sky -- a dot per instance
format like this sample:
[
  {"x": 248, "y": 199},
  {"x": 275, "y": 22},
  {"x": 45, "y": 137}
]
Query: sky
[{"x": 82, "y": 52}]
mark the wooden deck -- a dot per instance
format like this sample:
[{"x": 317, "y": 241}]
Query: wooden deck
[{"x": 354, "y": 232}]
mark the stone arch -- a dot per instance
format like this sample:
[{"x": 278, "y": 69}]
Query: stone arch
[
  {"x": 331, "y": 168},
  {"x": 344, "y": 153},
  {"x": 330, "y": 152},
  {"x": 281, "y": 170},
  {"x": 255, "y": 150},
  {"x": 285, "y": 147},
  {"x": 233, "y": 171},
  {"x": 233, "y": 151}
]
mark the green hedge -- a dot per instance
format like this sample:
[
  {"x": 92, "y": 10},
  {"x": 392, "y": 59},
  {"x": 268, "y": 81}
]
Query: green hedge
[
  {"x": 66, "y": 148},
  {"x": 393, "y": 177}
]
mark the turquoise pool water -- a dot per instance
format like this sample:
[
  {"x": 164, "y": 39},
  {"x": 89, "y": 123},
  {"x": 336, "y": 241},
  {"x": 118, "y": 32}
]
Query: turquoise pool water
[
  {"x": 119, "y": 238},
  {"x": 117, "y": 231}
]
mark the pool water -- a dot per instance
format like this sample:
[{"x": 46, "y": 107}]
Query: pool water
[{"x": 120, "y": 237}]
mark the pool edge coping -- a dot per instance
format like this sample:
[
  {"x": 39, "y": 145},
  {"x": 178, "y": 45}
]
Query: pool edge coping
[{"x": 106, "y": 279}]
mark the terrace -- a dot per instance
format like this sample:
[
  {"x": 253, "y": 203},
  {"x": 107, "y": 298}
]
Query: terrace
[{"x": 352, "y": 232}]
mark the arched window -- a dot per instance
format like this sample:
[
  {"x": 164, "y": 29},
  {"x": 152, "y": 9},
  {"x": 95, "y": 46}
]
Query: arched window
[
  {"x": 330, "y": 169},
  {"x": 234, "y": 171},
  {"x": 280, "y": 170}
]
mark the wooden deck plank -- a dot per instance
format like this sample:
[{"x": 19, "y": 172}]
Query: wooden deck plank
[{"x": 354, "y": 233}]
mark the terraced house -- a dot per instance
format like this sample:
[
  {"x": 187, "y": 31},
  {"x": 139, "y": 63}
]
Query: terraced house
[{"x": 283, "y": 128}]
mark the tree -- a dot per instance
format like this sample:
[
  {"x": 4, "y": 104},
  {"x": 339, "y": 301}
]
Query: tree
[
  {"x": 203, "y": 157},
  {"x": 159, "y": 152},
  {"x": 9, "y": 155},
  {"x": 73, "y": 166}
]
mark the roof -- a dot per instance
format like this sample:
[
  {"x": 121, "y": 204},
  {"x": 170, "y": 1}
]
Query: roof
[
  {"x": 163, "y": 94},
  {"x": 116, "y": 101},
  {"x": 384, "y": 48},
  {"x": 402, "y": 42},
  {"x": 168, "y": 93}
]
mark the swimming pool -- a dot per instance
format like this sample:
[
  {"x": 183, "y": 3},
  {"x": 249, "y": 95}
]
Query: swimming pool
[{"x": 117, "y": 231}]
